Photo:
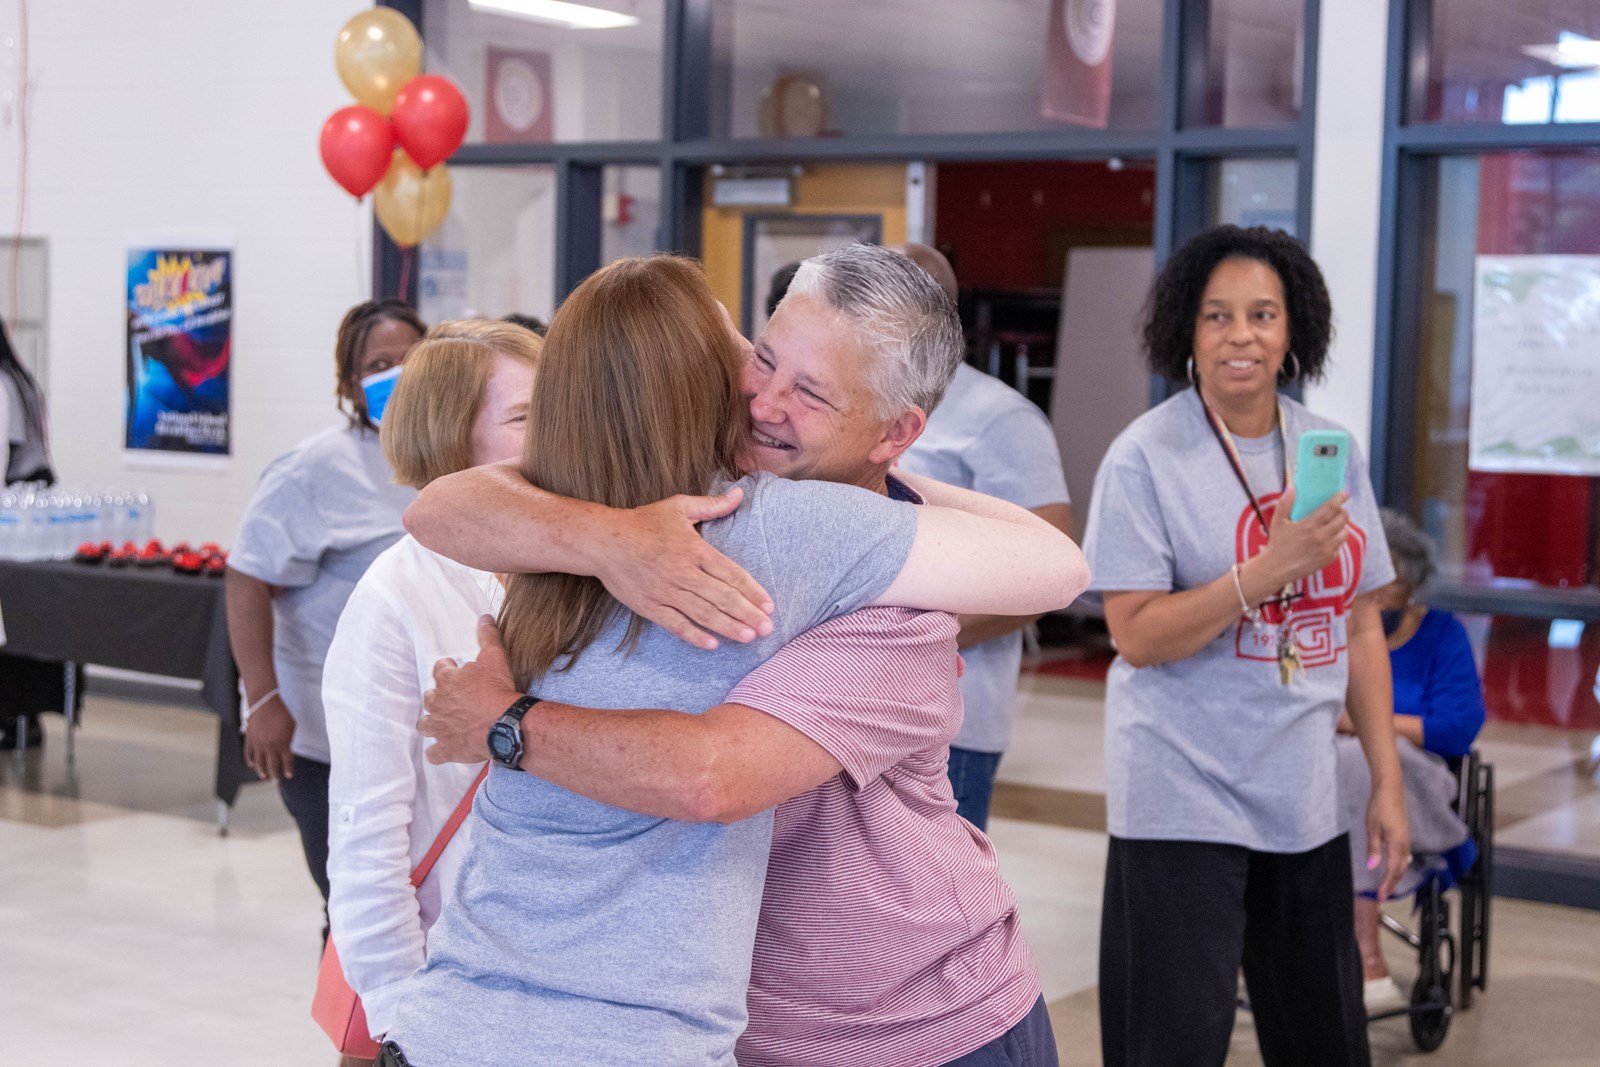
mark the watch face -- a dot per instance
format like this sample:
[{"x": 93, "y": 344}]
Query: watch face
[{"x": 502, "y": 742}]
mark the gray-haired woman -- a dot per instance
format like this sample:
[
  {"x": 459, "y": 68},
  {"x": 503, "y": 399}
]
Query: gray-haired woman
[{"x": 1438, "y": 705}]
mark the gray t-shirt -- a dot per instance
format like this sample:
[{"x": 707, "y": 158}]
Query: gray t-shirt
[
  {"x": 1214, "y": 747},
  {"x": 988, "y": 437},
  {"x": 585, "y": 934},
  {"x": 321, "y": 514}
]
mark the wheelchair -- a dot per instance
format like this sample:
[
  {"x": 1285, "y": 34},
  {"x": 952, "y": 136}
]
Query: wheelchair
[{"x": 1452, "y": 959}]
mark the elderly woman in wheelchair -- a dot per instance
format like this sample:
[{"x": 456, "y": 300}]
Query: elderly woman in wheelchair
[{"x": 1438, "y": 704}]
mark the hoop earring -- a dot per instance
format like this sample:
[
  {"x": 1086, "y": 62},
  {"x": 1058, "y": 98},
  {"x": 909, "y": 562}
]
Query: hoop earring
[
  {"x": 1295, "y": 374},
  {"x": 1191, "y": 371}
]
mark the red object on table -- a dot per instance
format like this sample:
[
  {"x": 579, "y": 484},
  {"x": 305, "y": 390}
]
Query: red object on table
[{"x": 89, "y": 552}]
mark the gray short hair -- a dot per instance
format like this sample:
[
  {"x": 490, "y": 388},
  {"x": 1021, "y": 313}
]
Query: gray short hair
[
  {"x": 1411, "y": 549},
  {"x": 902, "y": 316}
]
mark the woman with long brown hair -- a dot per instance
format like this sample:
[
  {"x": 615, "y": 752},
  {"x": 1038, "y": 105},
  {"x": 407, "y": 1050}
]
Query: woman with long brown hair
[{"x": 583, "y": 933}]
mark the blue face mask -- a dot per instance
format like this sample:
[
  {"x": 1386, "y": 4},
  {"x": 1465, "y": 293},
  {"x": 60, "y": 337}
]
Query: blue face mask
[{"x": 378, "y": 388}]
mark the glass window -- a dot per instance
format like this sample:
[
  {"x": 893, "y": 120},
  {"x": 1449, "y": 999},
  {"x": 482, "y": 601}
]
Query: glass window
[
  {"x": 1255, "y": 62},
  {"x": 530, "y": 79},
  {"x": 1535, "y": 61},
  {"x": 1506, "y": 444},
  {"x": 842, "y": 67},
  {"x": 495, "y": 253},
  {"x": 1254, "y": 192},
  {"x": 630, "y": 212}
]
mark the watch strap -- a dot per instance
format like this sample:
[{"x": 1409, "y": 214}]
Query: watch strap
[{"x": 519, "y": 708}]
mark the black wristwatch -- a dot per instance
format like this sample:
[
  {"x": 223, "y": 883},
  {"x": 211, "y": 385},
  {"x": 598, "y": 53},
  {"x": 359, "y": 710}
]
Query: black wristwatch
[{"x": 505, "y": 736}]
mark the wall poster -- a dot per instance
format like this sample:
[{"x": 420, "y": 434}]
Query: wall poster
[
  {"x": 179, "y": 350},
  {"x": 1536, "y": 365}
]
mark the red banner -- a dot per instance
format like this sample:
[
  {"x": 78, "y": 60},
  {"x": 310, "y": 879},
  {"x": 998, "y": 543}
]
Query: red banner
[
  {"x": 1077, "y": 72},
  {"x": 521, "y": 100}
]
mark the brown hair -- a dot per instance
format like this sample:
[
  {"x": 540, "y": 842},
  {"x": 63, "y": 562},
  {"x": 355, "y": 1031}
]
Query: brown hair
[
  {"x": 354, "y": 328},
  {"x": 638, "y": 400},
  {"x": 427, "y": 427}
]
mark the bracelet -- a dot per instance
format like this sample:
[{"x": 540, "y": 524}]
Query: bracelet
[
  {"x": 1253, "y": 614},
  {"x": 251, "y": 710}
]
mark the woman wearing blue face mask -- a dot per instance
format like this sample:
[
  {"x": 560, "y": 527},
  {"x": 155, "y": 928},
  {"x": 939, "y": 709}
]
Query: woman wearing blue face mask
[{"x": 320, "y": 515}]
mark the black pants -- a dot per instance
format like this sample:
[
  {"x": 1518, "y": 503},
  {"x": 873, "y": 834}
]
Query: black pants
[
  {"x": 306, "y": 797},
  {"x": 1180, "y": 917}
]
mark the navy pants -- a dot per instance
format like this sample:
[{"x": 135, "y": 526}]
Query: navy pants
[
  {"x": 306, "y": 797},
  {"x": 972, "y": 778},
  {"x": 1181, "y": 917},
  {"x": 1030, "y": 1043}
]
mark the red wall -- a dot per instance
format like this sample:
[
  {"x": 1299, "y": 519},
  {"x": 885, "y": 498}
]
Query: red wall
[{"x": 994, "y": 220}]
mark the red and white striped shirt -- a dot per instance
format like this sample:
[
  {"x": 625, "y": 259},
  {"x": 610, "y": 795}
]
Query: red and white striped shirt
[{"x": 887, "y": 936}]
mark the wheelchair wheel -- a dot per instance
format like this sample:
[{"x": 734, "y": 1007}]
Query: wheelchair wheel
[
  {"x": 1476, "y": 887},
  {"x": 1430, "y": 1012}
]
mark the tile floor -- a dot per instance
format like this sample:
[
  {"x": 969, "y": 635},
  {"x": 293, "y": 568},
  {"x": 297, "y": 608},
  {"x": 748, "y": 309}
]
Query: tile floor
[{"x": 131, "y": 933}]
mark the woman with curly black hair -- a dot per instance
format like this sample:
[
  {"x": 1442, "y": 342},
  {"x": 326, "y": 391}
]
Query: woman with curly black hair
[{"x": 1241, "y": 637}]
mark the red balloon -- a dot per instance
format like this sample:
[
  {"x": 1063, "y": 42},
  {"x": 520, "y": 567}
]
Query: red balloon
[
  {"x": 356, "y": 148},
  {"x": 430, "y": 119}
]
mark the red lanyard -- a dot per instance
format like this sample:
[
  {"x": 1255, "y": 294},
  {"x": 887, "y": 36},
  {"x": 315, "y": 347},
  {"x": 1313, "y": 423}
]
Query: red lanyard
[{"x": 1225, "y": 439}]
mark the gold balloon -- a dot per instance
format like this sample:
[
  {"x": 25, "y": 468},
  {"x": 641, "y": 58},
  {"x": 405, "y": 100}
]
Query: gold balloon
[
  {"x": 411, "y": 202},
  {"x": 377, "y": 52}
]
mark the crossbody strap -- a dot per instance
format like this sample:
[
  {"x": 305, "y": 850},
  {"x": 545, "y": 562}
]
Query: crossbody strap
[{"x": 457, "y": 817}]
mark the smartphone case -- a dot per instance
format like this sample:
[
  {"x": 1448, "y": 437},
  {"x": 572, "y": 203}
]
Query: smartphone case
[{"x": 1317, "y": 477}]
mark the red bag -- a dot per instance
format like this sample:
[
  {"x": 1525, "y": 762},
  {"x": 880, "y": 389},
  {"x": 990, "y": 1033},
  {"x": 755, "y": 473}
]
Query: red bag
[{"x": 336, "y": 1007}]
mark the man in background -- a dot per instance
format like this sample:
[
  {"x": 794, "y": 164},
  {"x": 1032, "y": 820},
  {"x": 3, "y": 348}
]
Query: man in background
[{"x": 987, "y": 437}]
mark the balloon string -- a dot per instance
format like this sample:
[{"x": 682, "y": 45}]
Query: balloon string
[
  {"x": 363, "y": 279},
  {"x": 405, "y": 270}
]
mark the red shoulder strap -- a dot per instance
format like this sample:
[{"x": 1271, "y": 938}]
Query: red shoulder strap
[{"x": 457, "y": 817}]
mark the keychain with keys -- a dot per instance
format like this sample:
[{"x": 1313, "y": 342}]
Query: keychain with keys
[{"x": 1288, "y": 653}]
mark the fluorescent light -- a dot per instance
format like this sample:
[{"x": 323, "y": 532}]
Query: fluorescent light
[
  {"x": 560, "y": 13},
  {"x": 1572, "y": 51}
]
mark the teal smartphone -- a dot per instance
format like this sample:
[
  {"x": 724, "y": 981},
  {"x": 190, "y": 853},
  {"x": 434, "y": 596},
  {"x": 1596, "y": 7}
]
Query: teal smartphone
[{"x": 1319, "y": 469}]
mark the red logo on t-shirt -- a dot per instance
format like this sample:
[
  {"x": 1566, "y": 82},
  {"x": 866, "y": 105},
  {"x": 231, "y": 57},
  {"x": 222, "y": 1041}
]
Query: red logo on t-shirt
[{"x": 1323, "y": 597}]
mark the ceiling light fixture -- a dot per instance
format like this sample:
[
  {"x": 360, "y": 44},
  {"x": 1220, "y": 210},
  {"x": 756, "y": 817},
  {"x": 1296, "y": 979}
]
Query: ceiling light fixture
[
  {"x": 1572, "y": 52},
  {"x": 560, "y": 13}
]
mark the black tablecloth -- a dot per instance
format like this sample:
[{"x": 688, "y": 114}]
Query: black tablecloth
[{"x": 136, "y": 619}]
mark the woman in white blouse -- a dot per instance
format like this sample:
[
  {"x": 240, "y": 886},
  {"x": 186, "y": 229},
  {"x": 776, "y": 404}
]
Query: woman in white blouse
[{"x": 462, "y": 401}]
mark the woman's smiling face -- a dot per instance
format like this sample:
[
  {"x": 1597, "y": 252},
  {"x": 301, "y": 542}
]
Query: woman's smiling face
[{"x": 1241, "y": 335}]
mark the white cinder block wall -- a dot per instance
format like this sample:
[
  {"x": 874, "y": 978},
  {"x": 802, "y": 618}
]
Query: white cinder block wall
[{"x": 178, "y": 115}]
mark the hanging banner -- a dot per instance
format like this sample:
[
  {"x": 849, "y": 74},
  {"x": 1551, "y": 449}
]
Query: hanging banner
[
  {"x": 1077, "y": 62},
  {"x": 180, "y": 345},
  {"x": 1536, "y": 365},
  {"x": 519, "y": 90}
]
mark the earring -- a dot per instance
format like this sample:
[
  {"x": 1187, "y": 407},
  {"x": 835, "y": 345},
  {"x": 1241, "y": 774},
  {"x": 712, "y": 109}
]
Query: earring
[
  {"x": 1191, "y": 370},
  {"x": 1294, "y": 374}
]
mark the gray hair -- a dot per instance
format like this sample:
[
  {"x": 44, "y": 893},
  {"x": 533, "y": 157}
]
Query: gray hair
[
  {"x": 1411, "y": 549},
  {"x": 899, "y": 313}
]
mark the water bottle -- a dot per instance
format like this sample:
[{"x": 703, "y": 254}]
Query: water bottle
[
  {"x": 81, "y": 523},
  {"x": 143, "y": 514},
  {"x": 117, "y": 528},
  {"x": 25, "y": 531},
  {"x": 60, "y": 523},
  {"x": 10, "y": 525}
]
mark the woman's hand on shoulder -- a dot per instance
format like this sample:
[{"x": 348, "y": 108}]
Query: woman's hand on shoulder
[{"x": 656, "y": 563}]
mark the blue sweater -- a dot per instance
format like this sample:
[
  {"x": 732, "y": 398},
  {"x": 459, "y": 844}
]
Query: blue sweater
[{"x": 1436, "y": 678}]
